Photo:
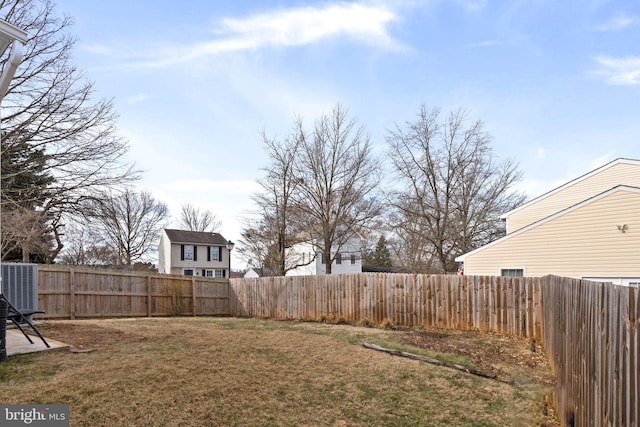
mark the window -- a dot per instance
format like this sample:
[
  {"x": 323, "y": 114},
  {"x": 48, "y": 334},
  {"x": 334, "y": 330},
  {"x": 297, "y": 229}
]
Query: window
[
  {"x": 338, "y": 258},
  {"x": 353, "y": 259},
  {"x": 215, "y": 253},
  {"x": 188, "y": 271},
  {"x": 512, "y": 272},
  {"x": 188, "y": 253},
  {"x": 324, "y": 260},
  {"x": 213, "y": 273},
  {"x": 634, "y": 284}
]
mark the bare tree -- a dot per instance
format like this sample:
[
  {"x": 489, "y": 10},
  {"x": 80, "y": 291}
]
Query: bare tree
[
  {"x": 49, "y": 110},
  {"x": 131, "y": 222},
  {"x": 453, "y": 189},
  {"x": 411, "y": 249},
  {"x": 337, "y": 178},
  {"x": 258, "y": 245},
  {"x": 86, "y": 247},
  {"x": 193, "y": 219},
  {"x": 24, "y": 232},
  {"x": 268, "y": 238}
]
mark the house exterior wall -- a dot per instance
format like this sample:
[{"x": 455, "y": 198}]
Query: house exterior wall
[
  {"x": 178, "y": 266},
  {"x": 352, "y": 247},
  {"x": 251, "y": 273},
  {"x": 583, "y": 242},
  {"x": 297, "y": 252},
  {"x": 164, "y": 254},
  {"x": 345, "y": 267},
  {"x": 621, "y": 172},
  {"x": 318, "y": 267}
]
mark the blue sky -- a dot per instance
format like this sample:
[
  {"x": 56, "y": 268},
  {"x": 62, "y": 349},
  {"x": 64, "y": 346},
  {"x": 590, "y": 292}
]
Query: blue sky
[{"x": 557, "y": 83}]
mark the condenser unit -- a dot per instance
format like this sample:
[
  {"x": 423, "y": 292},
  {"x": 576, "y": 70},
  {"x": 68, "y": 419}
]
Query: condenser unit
[{"x": 20, "y": 285}]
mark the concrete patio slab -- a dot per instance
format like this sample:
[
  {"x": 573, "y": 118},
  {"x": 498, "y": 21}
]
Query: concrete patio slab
[{"x": 17, "y": 343}]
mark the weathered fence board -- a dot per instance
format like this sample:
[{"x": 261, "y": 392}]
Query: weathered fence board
[
  {"x": 507, "y": 305},
  {"x": 590, "y": 333},
  {"x": 67, "y": 292}
]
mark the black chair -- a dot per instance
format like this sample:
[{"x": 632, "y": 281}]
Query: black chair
[{"x": 18, "y": 317}]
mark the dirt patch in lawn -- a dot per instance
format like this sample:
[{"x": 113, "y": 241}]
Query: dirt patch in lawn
[
  {"x": 496, "y": 354},
  {"x": 86, "y": 335}
]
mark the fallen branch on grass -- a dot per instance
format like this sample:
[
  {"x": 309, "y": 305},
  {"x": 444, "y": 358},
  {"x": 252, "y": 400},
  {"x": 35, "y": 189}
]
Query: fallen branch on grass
[
  {"x": 73, "y": 349},
  {"x": 433, "y": 361}
]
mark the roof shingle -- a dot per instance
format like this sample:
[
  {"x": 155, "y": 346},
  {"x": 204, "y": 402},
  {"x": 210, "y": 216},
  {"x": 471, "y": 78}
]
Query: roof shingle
[{"x": 195, "y": 237}]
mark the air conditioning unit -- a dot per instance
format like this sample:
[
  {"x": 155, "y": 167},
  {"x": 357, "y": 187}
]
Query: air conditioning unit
[{"x": 20, "y": 285}]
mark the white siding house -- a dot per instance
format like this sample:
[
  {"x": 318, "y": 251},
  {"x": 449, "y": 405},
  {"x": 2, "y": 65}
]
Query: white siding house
[
  {"x": 251, "y": 273},
  {"x": 349, "y": 259}
]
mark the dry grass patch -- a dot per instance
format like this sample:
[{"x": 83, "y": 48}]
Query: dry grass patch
[{"x": 223, "y": 371}]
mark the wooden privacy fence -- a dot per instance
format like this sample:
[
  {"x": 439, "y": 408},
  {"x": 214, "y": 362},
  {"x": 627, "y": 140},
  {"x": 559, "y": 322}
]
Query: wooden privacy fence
[
  {"x": 590, "y": 331},
  {"x": 591, "y": 334},
  {"x": 509, "y": 305},
  {"x": 67, "y": 292}
]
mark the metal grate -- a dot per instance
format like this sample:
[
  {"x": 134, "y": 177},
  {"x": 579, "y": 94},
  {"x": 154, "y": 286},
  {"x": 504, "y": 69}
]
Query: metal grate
[{"x": 20, "y": 285}]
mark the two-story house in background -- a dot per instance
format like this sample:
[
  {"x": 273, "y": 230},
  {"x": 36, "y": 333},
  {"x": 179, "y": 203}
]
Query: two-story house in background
[
  {"x": 310, "y": 262},
  {"x": 588, "y": 228},
  {"x": 347, "y": 260},
  {"x": 194, "y": 253}
]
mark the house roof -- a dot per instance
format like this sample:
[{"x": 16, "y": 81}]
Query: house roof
[
  {"x": 572, "y": 182},
  {"x": 195, "y": 237},
  {"x": 552, "y": 217}
]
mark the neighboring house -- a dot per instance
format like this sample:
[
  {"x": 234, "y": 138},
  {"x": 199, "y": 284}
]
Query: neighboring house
[
  {"x": 193, "y": 253},
  {"x": 588, "y": 228},
  {"x": 348, "y": 260},
  {"x": 258, "y": 272},
  {"x": 251, "y": 273},
  {"x": 617, "y": 172}
]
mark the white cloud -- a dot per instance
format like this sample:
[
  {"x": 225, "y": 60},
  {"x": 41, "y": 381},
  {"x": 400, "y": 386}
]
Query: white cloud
[
  {"x": 308, "y": 25},
  {"x": 136, "y": 99},
  {"x": 619, "y": 22},
  {"x": 285, "y": 28},
  {"x": 472, "y": 5},
  {"x": 486, "y": 43},
  {"x": 619, "y": 71}
]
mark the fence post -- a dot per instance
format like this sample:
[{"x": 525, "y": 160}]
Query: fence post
[
  {"x": 148, "y": 295},
  {"x": 193, "y": 294},
  {"x": 4, "y": 308},
  {"x": 72, "y": 293}
]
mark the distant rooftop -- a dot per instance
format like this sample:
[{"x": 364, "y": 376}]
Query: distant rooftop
[{"x": 195, "y": 237}]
